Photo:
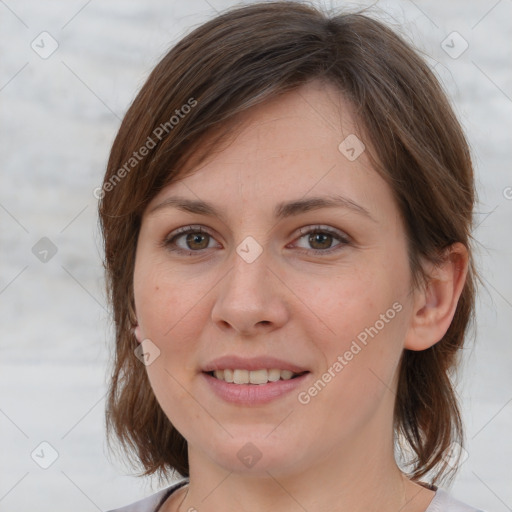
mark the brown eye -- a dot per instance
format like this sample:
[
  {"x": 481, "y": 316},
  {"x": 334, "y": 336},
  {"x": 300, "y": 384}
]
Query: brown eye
[
  {"x": 320, "y": 240},
  {"x": 188, "y": 240},
  {"x": 197, "y": 240}
]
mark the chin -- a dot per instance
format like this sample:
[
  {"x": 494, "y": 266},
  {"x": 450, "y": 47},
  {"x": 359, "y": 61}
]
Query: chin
[{"x": 254, "y": 455}]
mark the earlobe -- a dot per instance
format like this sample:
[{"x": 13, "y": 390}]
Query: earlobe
[
  {"x": 137, "y": 333},
  {"x": 435, "y": 304}
]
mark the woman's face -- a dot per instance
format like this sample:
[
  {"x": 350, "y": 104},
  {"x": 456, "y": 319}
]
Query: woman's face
[{"x": 296, "y": 261}]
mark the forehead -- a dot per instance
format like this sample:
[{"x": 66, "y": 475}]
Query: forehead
[
  {"x": 289, "y": 147},
  {"x": 307, "y": 118}
]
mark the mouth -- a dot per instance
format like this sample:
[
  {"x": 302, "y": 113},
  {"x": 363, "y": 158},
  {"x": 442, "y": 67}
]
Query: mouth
[
  {"x": 256, "y": 377},
  {"x": 251, "y": 381},
  {"x": 243, "y": 387}
]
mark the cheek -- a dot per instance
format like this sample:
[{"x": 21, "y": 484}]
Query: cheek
[
  {"x": 167, "y": 301},
  {"x": 169, "y": 313},
  {"x": 358, "y": 327},
  {"x": 171, "y": 391},
  {"x": 352, "y": 301},
  {"x": 359, "y": 360}
]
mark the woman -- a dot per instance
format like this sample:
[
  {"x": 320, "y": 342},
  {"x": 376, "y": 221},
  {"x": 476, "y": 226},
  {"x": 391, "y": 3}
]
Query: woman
[{"x": 287, "y": 214}]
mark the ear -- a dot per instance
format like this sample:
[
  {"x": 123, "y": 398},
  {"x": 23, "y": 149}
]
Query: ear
[
  {"x": 137, "y": 331},
  {"x": 435, "y": 304}
]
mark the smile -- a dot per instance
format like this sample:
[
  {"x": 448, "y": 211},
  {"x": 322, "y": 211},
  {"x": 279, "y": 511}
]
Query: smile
[
  {"x": 263, "y": 376},
  {"x": 253, "y": 387}
]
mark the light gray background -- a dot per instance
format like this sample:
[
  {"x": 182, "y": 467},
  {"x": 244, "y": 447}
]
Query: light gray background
[{"x": 58, "y": 119}]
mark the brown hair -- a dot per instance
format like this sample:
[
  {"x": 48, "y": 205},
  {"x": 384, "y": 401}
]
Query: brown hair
[{"x": 222, "y": 68}]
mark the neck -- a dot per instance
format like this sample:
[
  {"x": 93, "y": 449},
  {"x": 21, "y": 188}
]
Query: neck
[
  {"x": 356, "y": 473},
  {"x": 333, "y": 483}
]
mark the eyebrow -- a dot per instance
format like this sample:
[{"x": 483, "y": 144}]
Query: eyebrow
[{"x": 281, "y": 211}]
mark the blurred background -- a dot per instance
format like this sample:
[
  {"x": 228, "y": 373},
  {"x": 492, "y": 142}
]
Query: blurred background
[{"x": 68, "y": 72}]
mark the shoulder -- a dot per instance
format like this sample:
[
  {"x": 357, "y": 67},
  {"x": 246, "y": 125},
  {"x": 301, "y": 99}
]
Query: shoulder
[
  {"x": 151, "y": 503},
  {"x": 443, "y": 502}
]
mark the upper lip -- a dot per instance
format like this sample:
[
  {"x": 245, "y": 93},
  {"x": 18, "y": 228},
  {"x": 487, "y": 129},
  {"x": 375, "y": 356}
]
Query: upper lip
[{"x": 252, "y": 363}]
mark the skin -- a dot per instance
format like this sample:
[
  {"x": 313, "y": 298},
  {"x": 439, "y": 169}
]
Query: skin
[{"x": 335, "y": 452}]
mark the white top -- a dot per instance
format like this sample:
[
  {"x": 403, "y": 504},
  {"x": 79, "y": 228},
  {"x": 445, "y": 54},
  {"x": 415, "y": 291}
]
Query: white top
[{"x": 442, "y": 502}]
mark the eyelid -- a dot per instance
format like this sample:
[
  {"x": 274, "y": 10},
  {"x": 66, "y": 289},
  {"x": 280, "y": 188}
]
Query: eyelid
[
  {"x": 324, "y": 229},
  {"x": 191, "y": 228},
  {"x": 342, "y": 237}
]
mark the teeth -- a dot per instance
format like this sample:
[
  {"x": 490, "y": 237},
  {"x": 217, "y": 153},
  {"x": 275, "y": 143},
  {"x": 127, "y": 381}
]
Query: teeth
[
  {"x": 274, "y": 375},
  {"x": 286, "y": 374},
  {"x": 253, "y": 376},
  {"x": 241, "y": 376},
  {"x": 258, "y": 377}
]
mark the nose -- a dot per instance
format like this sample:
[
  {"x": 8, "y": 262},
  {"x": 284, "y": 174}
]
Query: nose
[{"x": 251, "y": 299}]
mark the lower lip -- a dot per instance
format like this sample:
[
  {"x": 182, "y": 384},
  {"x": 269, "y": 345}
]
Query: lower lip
[{"x": 253, "y": 394}]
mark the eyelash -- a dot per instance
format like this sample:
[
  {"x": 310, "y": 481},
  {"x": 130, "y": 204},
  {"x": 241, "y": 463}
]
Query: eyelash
[{"x": 170, "y": 241}]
